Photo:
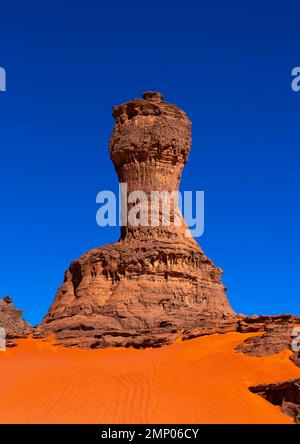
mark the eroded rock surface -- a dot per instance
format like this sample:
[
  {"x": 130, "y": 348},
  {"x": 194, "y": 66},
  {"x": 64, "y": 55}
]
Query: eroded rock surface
[
  {"x": 156, "y": 283},
  {"x": 251, "y": 324},
  {"x": 284, "y": 394},
  {"x": 280, "y": 333},
  {"x": 12, "y": 322}
]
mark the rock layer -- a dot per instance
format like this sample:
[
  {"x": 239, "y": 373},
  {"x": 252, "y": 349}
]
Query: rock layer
[
  {"x": 252, "y": 324},
  {"x": 155, "y": 284},
  {"x": 12, "y": 322}
]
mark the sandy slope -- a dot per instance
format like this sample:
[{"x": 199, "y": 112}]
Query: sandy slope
[{"x": 198, "y": 381}]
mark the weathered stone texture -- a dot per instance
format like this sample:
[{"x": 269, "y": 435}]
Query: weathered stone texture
[{"x": 155, "y": 284}]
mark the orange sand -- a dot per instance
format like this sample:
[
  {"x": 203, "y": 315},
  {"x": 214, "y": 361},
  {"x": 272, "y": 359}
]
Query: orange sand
[{"x": 198, "y": 381}]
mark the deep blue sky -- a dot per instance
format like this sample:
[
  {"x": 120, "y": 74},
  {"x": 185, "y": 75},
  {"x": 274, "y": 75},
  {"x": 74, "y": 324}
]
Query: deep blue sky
[{"x": 227, "y": 64}]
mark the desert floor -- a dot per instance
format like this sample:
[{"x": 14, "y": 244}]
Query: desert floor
[{"x": 198, "y": 381}]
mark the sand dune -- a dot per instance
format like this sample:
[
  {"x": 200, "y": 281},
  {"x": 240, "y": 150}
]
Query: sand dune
[{"x": 197, "y": 381}]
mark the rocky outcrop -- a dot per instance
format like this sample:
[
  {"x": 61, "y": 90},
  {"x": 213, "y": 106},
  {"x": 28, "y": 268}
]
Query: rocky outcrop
[
  {"x": 284, "y": 394},
  {"x": 275, "y": 340},
  {"x": 156, "y": 283},
  {"x": 251, "y": 324},
  {"x": 279, "y": 335},
  {"x": 12, "y": 322}
]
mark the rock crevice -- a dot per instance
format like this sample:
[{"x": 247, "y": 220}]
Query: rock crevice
[{"x": 285, "y": 394}]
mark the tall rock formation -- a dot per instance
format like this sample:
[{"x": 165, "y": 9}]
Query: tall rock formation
[{"x": 155, "y": 284}]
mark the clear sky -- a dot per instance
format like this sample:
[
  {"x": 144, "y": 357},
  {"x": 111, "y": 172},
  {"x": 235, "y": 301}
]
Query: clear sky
[{"x": 227, "y": 64}]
